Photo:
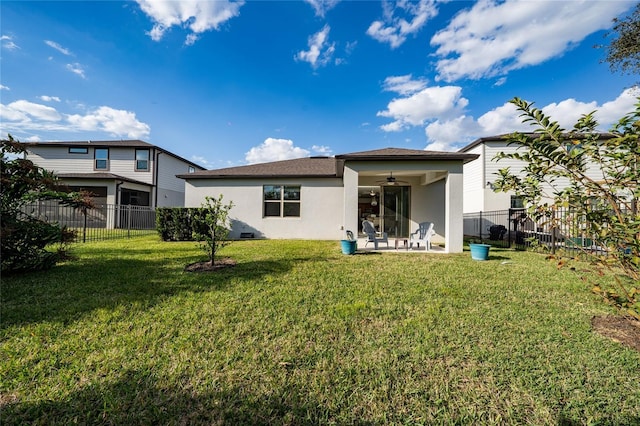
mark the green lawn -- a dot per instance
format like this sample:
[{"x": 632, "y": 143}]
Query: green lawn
[{"x": 298, "y": 333}]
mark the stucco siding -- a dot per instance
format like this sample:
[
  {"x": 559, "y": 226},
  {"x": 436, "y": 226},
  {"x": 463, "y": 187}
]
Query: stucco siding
[
  {"x": 474, "y": 181},
  {"x": 321, "y": 207},
  {"x": 168, "y": 198}
]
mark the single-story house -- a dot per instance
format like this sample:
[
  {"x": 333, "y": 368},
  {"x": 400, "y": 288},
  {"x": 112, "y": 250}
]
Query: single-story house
[{"x": 323, "y": 197}]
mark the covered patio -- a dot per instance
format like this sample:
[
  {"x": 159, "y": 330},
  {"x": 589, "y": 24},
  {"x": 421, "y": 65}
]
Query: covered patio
[{"x": 397, "y": 189}]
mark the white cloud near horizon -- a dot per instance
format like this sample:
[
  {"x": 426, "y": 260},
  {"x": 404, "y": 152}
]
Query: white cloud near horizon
[
  {"x": 3, "y": 87},
  {"x": 320, "y": 50},
  {"x": 273, "y": 149},
  {"x": 28, "y": 117},
  {"x": 198, "y": 16},
  {"x": 453, "y": 134},
  {"x": 321, "y": 7},
  {"x": 58, "y": 47},
  {"x": 394, "y": 28},
  {"x": 492, "y": 38}
]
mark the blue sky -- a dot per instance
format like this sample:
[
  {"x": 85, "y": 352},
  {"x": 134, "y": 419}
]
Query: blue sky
[{"x": 229, "y": 83}]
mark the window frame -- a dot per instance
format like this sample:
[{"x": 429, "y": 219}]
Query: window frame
[
  {"x": 288, "y": 196},
  {"x": 96, "y": 159},
  {"x": 78, "y": 150},
  {"x": 516, "y": 200},
  {"x": 148, "y": 160}
]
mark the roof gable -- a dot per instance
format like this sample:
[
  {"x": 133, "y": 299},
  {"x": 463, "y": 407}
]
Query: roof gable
[{"x": 299, "y": 167}]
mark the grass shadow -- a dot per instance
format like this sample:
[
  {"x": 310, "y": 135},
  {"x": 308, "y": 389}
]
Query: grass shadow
[
  {"x": 68, "y": 291},
  {"x": 138, "y": 398}
]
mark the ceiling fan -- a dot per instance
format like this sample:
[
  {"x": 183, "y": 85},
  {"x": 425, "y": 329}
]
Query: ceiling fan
[{"x": 391, "y": 180}]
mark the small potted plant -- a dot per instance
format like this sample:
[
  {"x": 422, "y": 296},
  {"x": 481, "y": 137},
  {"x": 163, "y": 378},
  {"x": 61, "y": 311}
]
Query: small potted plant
[
  {"x": 479, "y": 250},
  {"x": 350, "y": 244}
]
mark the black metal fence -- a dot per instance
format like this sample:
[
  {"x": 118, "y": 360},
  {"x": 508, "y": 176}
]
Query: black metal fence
[
  {"x": 106, "y": 221},
  {"x": 515, "y": 228}
]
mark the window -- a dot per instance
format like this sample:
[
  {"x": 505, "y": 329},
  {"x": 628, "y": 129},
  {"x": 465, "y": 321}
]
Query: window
[
  {"x": 78, "y": 150},
  {"x": 134, "y": 198},
  {"x": 281, "y": 201},
  {"x": 192, "y": 169},
  {"x": 101, "y": 156},
  {"x": 142, "y": 160},
  {"x": 517, "y": 202}
]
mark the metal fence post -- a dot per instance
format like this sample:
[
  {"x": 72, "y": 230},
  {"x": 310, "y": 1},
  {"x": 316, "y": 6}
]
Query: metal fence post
[{"x": 129, "y": 221}]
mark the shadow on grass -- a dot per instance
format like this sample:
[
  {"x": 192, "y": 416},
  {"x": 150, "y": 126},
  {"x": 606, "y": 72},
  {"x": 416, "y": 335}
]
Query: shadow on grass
[
  {"x": 136, "y": 399},
  {"x": 65, "y": 292}
]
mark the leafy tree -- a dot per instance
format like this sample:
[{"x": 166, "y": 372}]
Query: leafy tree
[
  {"x": 211, "y": 226},
  {"x": 24, "y": 239},
  {"x": 623, "y": 54},
  {"x": 608, "y": 205}
]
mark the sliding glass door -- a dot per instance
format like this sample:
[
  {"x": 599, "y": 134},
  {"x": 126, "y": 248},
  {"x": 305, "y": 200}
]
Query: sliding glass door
[{"x": 396, "y": 207}]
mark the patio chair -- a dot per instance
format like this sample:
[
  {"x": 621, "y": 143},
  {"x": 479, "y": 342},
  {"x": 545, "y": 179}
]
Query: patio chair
[
  {"x": 374, "y": 236},
  {"x": 422, "y": 235}
]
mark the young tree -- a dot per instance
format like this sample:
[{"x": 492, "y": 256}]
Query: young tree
[
  {"x": 609, "y": 204},
  {"x": 211, "y": 226},
  {"x": 623, "y": 54},
  {"x": 24, "y": 239}
]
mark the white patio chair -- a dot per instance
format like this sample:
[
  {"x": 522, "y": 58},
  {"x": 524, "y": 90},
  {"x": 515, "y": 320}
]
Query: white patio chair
[
  {"x": 422, "y": 235},
  {"x": 374, "y": 236}
]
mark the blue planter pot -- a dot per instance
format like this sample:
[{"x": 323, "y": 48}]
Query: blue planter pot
[
  {"x": 479, "y": 251},
  {"x": 349, "y": 246}
]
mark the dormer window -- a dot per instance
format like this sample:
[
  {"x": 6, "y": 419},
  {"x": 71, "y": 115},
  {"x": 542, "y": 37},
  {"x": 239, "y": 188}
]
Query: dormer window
[
  {"x": 142, "y": 160},
  {"x": 101, "y": 158}
]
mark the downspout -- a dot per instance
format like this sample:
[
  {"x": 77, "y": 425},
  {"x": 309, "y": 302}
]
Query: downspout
[{"x": 156, "y": 156}]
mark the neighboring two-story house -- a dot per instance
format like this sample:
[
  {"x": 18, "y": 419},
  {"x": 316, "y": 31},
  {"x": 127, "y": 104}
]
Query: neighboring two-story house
[
  {"x": 125, "y": 172},
  {"x": 479, "y": 174}
]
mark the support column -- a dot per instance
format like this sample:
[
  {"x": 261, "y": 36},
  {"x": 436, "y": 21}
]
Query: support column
[
  {"x": 350, "y": 182},
  {"x": 454, "y": 222}
]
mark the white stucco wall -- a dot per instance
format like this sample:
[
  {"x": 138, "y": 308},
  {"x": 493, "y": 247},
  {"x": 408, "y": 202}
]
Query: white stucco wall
[{"x": 321, "y": 207}]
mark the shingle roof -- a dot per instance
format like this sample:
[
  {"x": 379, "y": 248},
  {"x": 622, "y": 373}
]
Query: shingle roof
[
  {"x": 324, "y": 167},
  {"x": 300, "y": 167},
  {"x": 401, "y": 154},
  {"x": 504, "y": 138},
  {"x": 124, "y": 143},
  {"x": 99, "y": 175}
]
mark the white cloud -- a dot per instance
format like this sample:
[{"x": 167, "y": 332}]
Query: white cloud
[
  {"x": 3, "y": 87},
  {"x": 320, "y": 50},
  {"x": 32, "y": 139},
  {"x": 493, "y": 38},
  {"x": 28, "y": 117},
  {"x": 113, "y": 121},
  {"x": 444, "y": 134},
  {"x": 322, "y": 6},
  {"x": 198, "y": 159},
  {"x": 7, "y": 43},
  {"x": 394, "y": 28},
  {"x": 321, "y": 149},
  {"x": 449, "y": 135},
  {"x": 404, "y": 84},
  {"x": 77, "y": 69},
  {"x": 59, "y": 48},
  {"x": 50, "y": 98},
  {"x": 274, "y": 150},
  {"x": 29, "y": 110},
  {"x": 428, "y": 104},
  {"x": 198, "y": 16}
]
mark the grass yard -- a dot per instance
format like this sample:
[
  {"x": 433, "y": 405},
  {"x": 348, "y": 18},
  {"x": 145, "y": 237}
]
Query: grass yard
[{"x": 298, "y": 333}]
